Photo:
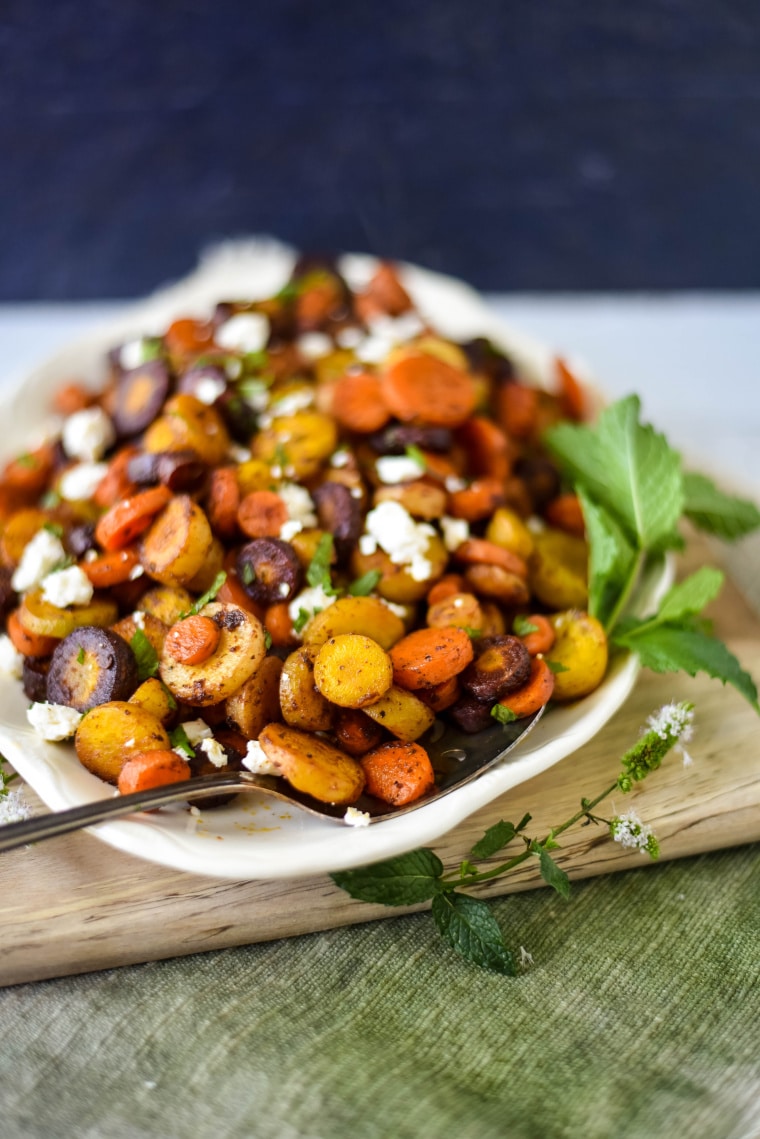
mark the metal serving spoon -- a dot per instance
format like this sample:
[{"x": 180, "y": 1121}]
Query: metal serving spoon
[{"x": 457, "y": 759}]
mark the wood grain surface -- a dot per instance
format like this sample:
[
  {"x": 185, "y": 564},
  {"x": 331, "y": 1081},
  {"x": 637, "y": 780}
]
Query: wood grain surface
[{"x": 74, "y": 904}]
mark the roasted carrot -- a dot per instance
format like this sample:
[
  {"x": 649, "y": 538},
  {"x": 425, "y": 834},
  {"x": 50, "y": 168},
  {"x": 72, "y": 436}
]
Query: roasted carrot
[
  {"x": 440, "y": 696},
  {"x": 355, "y": 732},
  {"x": 542, "y": 640},
  {"x": 233, "y": 593},
  {"x": 193, "y": 639},
  {"x": 278, "y": 624},
  {"x": 565, "y": 513},
  {"x": 430, "y": 656},
  {"x": 570, "y": 390},
  {"x": 116, "y": 484},
  {"x": 222, "y": 501},
  {"x": 28, "y": 474},
  {"x": 150, "y": 769},
  {"x": 113, "y": 568},
  {"x": 188, "y": 337},
  {"x": 385, "y": 293},
  {"x": 262, "y": 514},
  {"x": 517, "y": 409},
  {"x": 30, "y": 644},
  {"x": 448, "y": 585},
  {"x": 477, "y": 501},
  {"x": 398, "y": 772},
  {"x": 535, "y": 693},
  {"x": 489, "y": 452},
  {"x": 128, "y": 519},
  {"x": 358, "y": 403},
  {"x": 72, "y": 397},
  {"x": 422, "y": 387},
  {"x": 479, "y": 551}
]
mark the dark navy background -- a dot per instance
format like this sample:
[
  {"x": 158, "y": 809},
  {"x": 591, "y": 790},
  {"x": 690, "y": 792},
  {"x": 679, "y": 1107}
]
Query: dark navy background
[{"x": 536, "y": 144}]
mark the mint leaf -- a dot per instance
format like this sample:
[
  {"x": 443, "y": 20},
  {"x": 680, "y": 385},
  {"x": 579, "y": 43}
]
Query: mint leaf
[
  {"x": 209, "y": 595},
  {"x": 402, "y": 881},
  {"x": 715, "y": 512},
  {"x": 415, "y": 454},
  {"x": 495, "y": 838},
  {"x": 502, "y": 714},
  {"x": 628, "y": 468},
  {"x": 81, "y": 655},
  {"x": 521, "y": 627},
  {"x": 691, "y": 595},
  {"x": 551, "y": 873},
  {"x": 364, "y": 585},
  {"x": 53, "y": 528},
  {"x": 179, "y": 741},
  {"x": 674, "y": 648},
  {"x": 611, "y": 557},
  {"x": 303, "y": 618},
  {"x": 318, "y": 573},
  {"x": 145, "y": 654},
  {"x": 555, "y": 665},
  {"x": 470, "y": 928}
]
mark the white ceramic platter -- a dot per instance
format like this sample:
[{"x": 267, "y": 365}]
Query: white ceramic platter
[{"x": 256, "y": 837}]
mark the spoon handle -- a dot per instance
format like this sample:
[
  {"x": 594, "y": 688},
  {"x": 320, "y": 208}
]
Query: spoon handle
[{"x": 13, "y": 835}]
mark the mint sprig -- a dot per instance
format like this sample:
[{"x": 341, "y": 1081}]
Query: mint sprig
[
  {"x": 722, "y": 515},
  {"x": 145, "y": 655},
  {"x": 318, "y": 573}
]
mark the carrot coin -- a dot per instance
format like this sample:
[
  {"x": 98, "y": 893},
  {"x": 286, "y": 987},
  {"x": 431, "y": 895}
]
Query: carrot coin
[
  {"x": 533, "y": 695},
  {"x": 127, "y": 519},
  {"x": 222, "y": 501},
  {"x": 398, "y": 772},
  {"x": 193, "y": 639},
  {"x": 112, "y": 569},
  {"x": 262, "y": 514},
  {"x": 423, "y": 387},
  {"x": 479, "y": 551},
  {"x": 541, "y": 640},
  {"x": 430, "y": 656},
  {"x": 358, "y": 403},
  {"x": 150, "y": 769}
]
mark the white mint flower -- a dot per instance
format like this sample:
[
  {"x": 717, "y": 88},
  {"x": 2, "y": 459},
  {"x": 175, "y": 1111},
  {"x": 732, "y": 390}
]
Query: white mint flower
[
  {"x": 675, "y": 720},
  {"x": 13, "y": 807},
  {"x": 632, "y": 833}
]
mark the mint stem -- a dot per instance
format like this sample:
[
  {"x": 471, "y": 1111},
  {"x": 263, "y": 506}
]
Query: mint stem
[{"x": 625, "y": 592}]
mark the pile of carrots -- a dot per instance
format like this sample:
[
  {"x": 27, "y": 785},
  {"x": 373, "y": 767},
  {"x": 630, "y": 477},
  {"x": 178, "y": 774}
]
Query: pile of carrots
[{"x": 238, "y": 481}]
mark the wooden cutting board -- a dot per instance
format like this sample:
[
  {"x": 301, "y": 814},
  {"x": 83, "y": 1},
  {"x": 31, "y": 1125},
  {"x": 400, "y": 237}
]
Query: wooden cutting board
[{"x": 74, "y": 905}]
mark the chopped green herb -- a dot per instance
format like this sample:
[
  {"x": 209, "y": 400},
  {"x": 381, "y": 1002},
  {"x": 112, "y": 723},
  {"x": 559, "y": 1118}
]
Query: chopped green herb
[
  {"x": 281, "y": 457},
  {"x": 63, "y": 563},
  {"x": 152, "y": 347},
  {"x": 209, "y": 595},
  {"x": 54, "y": 528},
  {"x": 473, "y": 633},
  {"x": 415, "y": 454},
  {"x": 521, "y": 627},
  {"x": 255, "y": 361},
  {"x": 289, "y": 292},
  {"x": 27, "y": 460},
  {"x": 145, "y": 654},
  {"x": 80, "y": 655},
  {"x": 179, "y": 741},
  {"x": 170, "y": 697},
  {"x": 50, "y": 499},
  {"x": 251, "y": 389},
  {"x": 502, "y": 714},
  {"x": 267, "y": 640},
  {"x": 318, "y": 573},
  {"x": 364, "y": 585},
  {"x": 303, "y": 618},
  {"x": 247, "y": 573},
  {"x": 556, "y": 666}
]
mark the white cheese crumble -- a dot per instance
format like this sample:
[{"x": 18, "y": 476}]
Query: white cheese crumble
[
  {"x": 535, "y": 524},
  {"x": 88, "y": 434},
  {"x": 239, "y": 454},
  {"x": 139, "y": 619},
  {"x": 208, "y": 389},
  {"x": 356, "y": 818},
  {"x": 69, "y": 586},
  {"x": 373, "y": 349},
  {"x": 289, "y": 530},
  {"x": 91, "y": 556},
  {"x": 299, "y": 503},
  {"x": 312, "y": 600},
  {"x": 393, "y": 469},
  {"x": 292, "y": 403},
  {"x": 246, "y": 332},
  {"x": 53, "y": 722},
  {"x": 197, "y": 730},
  {"x": 367, "y": 544},
  {"x": 81, "y": 482},
  {"x": 133, "y": 353},
  {"x": 349, "y": 337},
  {"x": 405, "y": 541},
  {"x": 453, "y": 484},
  {"x": 397, "y": 329},
  {"x": 257, "y": 761},
  {"x": 135, "y": 572},
  {"x": 40, "y": 555},
  {"x": 400, "y": 610},
  {"x": 256, "y": 395},
  {"x": 313, "y": 345},
  {"x": 214, "y": 752},
  {"x": 339, "y": 458},
  {"x": 283, "y": 589},
  {"x": 455, "y": 531},
  {"x": 11, "y": 660}
]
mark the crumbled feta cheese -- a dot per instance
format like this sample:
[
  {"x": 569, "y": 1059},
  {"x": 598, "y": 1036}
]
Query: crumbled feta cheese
[
  {"x": 139, "y": 619},
  {"x": 453, "y": 484},
  {"x": 535, "y": 524},
  {"x": 208, "y": 389},
  {"x": 91, "y": 556},
  {"x": 355, "y": 492},
  {"x": 396, "y": 532},
  {"x": 340, "y": 458},
  {"x": 69, "y": 586},
  {"x": 257, "y": 761},
  {"x": 373, "y": 349},
  {"x": 299, "y": 503},
  {"x": 233, "y": 368},
  {"x": 11, "y": 660},
  {"x": 214, "y": 752},
  {"x": 289, "y": 530},
  {"x": 256, "y": 395},
  {"x": 197, "y": 730},
  {"x": 313, "y": 345},
  {"x": 356, "y": 818},
  {"x": 420, "y": 569},
  {"x": 292, "y": 403},
  {"x": 393, "y": 469},
  {"x": 312, "y": 600},
  {"x": 455, "y": 531},
  {"x": 133, "y": 353},
  {"x": 88, "y": 434},
  {"x": 39, "y": 556},
  {"x": 400, "y": 610},
  {"x": 238, "y": 454},
  {"x": 135, "y": 572},
  {"x": 397, "y": 329},
  {"x": 367, "y": 544},
  {"x": 246, "y": 332},
  {"x": 53, "y": 722},
  {"x": 349, "y": 337},
  {"x": 283, "y": 589},
  {"x": 81, "y": 482}
]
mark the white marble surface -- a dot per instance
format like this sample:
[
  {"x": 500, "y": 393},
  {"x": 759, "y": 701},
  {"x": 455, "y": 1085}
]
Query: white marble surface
[{"x": 694, "y": 359}]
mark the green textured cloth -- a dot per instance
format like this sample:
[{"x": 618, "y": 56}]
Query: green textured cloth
[{"x": 639, "y": 1017}]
